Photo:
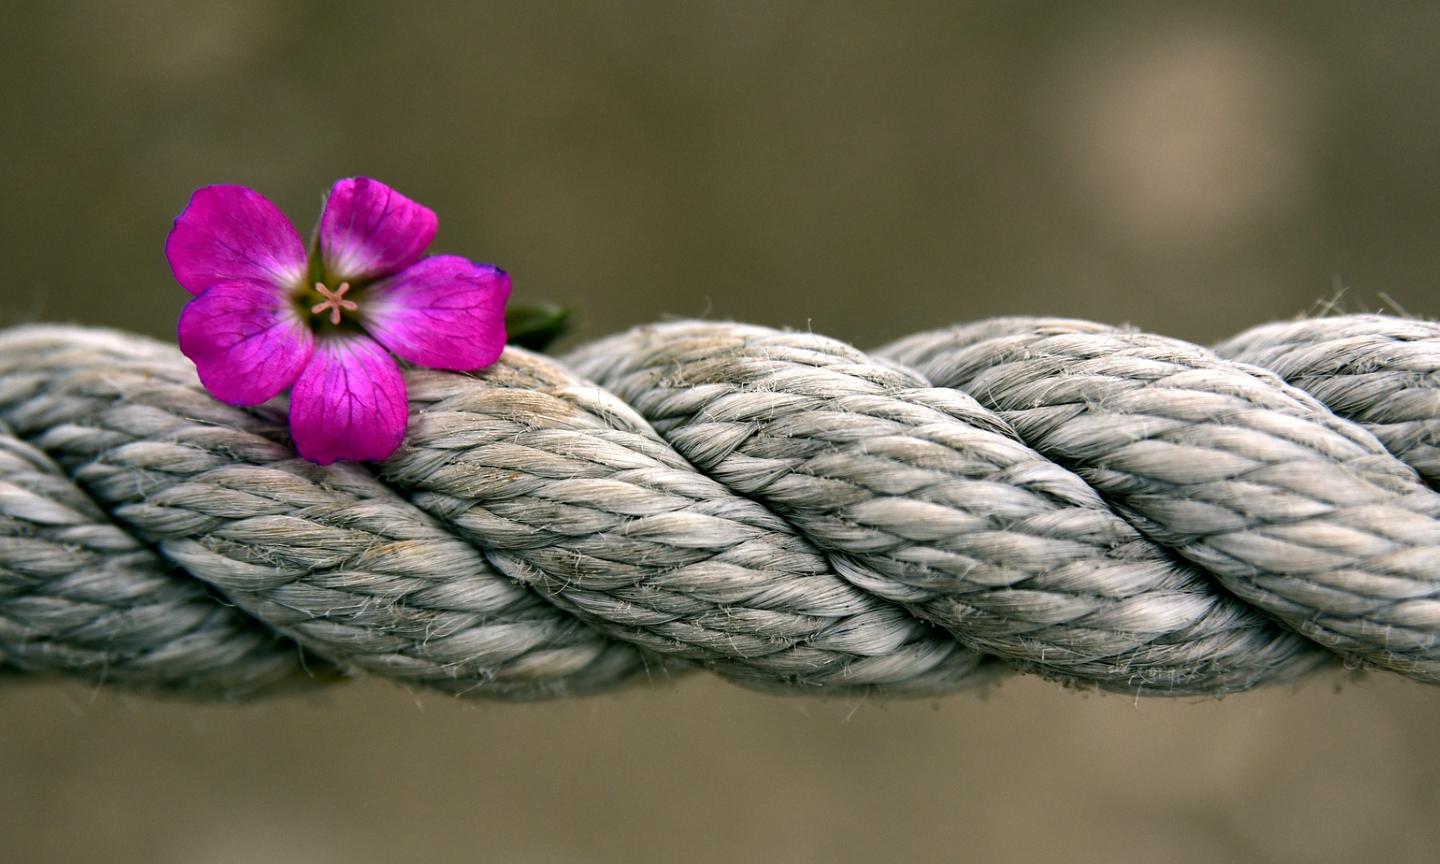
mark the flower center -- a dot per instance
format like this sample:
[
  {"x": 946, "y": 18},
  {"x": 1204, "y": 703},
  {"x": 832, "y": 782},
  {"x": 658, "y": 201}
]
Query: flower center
[{"x": 334, "y": 301}]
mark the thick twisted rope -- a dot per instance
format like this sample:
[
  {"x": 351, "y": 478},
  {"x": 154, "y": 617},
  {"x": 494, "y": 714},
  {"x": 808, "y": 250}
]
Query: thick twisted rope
[{"x": 1099, "y": 506}]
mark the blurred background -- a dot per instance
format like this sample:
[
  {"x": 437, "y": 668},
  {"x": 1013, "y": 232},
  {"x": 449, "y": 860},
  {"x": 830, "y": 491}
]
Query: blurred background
[{"x": 862, "y": 169}]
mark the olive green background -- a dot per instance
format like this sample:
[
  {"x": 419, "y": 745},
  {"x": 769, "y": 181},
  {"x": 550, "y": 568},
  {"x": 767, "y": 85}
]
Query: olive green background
[{"x": 862, "y": 169}]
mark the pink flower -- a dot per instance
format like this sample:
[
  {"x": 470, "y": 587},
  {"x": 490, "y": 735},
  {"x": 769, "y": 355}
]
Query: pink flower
[{"x": 268, "y": 317}]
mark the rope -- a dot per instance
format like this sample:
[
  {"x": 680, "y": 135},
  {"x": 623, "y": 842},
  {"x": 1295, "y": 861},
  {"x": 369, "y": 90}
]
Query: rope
[{"x": 1103, "y": 507}]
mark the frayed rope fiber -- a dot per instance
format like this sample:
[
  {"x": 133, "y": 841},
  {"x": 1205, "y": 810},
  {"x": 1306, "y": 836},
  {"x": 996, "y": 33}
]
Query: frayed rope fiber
[{"x": 1096, "y": 505}]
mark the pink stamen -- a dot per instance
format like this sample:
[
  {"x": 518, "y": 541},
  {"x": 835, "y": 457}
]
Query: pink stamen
[{"x": 334, "y": 301}]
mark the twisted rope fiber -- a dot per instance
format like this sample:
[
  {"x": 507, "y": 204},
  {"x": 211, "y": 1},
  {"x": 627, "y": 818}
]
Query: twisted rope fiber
[{"x": 1100, "y": 506}]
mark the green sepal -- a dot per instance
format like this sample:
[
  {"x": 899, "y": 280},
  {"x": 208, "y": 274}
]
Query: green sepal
[{"x": 535, "y": 326}]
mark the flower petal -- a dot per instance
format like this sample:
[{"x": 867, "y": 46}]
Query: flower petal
[
  {"x": 349, "y": 403},
  {"x": 443, "y": 312},
  {"x": 227, "y": 233},
  {"x": 247, "y": 341},
  {"x": 369, "y": 230}
]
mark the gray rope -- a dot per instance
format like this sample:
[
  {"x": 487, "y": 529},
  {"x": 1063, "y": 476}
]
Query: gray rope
[
  {"x": 1102, "y": 507},
  {"x": 1295, "y": 510},
  {"x": 80, "y": 596},
  {"x": 1373, "y": 369}
]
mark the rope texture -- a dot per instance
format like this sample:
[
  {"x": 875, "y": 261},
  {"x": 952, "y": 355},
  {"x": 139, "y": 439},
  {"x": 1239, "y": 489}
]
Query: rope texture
[{"x": 1103, "y": 507}]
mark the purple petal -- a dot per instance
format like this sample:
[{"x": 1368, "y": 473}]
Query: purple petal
[
  {"x": 369, "y": 230},
  {"x": 246, "y": 339},
  {"x": 443, "y": 312},
  {"x": 349, "y": 403},
  {"x": 229, "y": 233}
]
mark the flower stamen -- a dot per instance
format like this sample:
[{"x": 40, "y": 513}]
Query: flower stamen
[{"x": 334, "y": 301}]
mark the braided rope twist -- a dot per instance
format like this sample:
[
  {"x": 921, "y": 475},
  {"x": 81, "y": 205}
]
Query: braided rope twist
[{"x": 1100, "y": 506}]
